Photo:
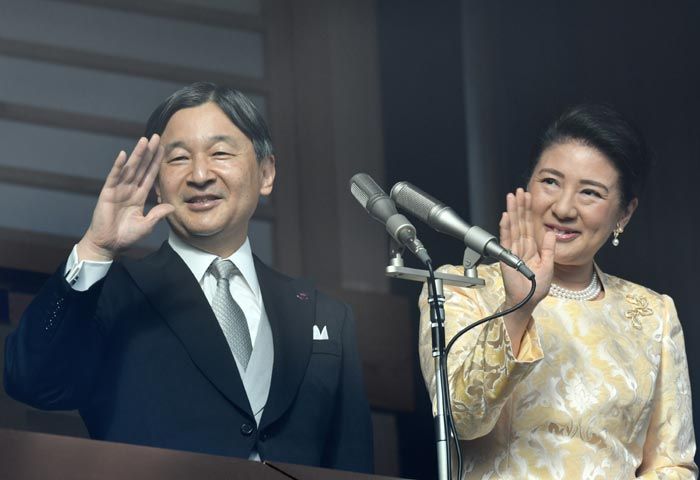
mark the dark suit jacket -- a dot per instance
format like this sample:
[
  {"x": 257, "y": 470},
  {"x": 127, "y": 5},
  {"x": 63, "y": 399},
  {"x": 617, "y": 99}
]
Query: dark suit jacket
[{"x": 143, "y": 358}]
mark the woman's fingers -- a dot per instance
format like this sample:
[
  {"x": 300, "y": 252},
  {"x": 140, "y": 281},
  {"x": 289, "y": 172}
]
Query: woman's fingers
[
  {"x": 520, "y": 205},
  {"x": 529, "y": 233},
  {"x": 549, "y": 245},
  {"x": 504, "y": 231},
  {"x": 512, "y": 209}
]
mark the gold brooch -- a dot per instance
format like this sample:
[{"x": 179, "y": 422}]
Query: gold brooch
[{"x": 641, "y": 309}]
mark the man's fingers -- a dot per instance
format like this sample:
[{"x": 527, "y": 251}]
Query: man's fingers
[
  {"x": 153, "y": 169},
  {"x": 148, "y": 156},
  {"x": 158, "y": 212},
  {"x": 132, "y": 164},
  {"x": 115, "y": 173}
]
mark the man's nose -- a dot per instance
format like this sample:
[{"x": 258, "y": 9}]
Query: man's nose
[{"x": 201, "y": 173}]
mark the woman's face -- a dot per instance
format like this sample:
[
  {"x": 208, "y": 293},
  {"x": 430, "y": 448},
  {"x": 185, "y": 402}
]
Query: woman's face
[{"x": 576, "y": 194}]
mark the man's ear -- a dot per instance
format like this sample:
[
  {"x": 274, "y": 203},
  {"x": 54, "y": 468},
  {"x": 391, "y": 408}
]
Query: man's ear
[{"x": 267, "y": 174}]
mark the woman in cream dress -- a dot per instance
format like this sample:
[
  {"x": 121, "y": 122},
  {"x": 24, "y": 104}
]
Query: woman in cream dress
[{"x": 589, "y": 379}]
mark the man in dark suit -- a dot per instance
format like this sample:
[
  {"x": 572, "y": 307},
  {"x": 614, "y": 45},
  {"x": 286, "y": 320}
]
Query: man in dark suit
[{"x": 199, "y": 346}]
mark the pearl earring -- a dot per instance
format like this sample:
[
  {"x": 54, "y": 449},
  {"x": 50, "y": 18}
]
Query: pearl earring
[{"x": 616, "y": 234}]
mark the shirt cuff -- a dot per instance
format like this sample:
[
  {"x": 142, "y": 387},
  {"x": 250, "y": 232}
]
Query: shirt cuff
[{"x": 83, "y": 274}]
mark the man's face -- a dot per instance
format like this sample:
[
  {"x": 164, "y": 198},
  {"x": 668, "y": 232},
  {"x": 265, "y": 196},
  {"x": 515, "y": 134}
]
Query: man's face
[{"x": 211, "y": 176}]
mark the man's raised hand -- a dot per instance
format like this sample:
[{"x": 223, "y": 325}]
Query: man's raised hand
[{"x": 118, "y": 220}]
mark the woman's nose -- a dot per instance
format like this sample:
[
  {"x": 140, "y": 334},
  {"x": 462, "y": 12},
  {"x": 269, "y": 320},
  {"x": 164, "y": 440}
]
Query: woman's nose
[{"x": 564, "y": 207}]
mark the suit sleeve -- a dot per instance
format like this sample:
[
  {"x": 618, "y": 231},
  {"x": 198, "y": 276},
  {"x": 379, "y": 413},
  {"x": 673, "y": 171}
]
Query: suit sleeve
[
  {"x": 481, "y": 367},
  {"x": 350, "y": 445},
  {"x": 670, "y": 442},
  {"x": 51, "y": 359}
]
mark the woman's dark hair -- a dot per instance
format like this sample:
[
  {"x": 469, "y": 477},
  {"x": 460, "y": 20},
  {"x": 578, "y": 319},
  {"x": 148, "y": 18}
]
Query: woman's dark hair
[
  {"x": 233, "y": 103},
  {"x": 604, "y": 129}
]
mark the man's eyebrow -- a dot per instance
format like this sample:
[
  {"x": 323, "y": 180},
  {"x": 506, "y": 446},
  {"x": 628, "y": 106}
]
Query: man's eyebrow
[
  {"x": 210, "y": 141},
  {"x": 173, "y": 145},
  {"x": 222, "y": 138},
  {"x": 585, "y": 181}
]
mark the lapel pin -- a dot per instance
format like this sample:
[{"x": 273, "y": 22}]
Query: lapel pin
[{"x": 303, "y": 296}]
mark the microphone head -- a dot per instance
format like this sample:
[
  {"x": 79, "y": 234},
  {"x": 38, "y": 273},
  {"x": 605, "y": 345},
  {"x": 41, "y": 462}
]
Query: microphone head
[
  {"x": 372, "y": 197},
  {"x": 413, "y": 199},
  {"x": 360, "y": 185}
]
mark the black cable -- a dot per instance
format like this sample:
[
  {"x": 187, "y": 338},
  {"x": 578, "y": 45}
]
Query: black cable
[
  {"x": 491, "y": 317},
  {"x": 452, "y": 427}
]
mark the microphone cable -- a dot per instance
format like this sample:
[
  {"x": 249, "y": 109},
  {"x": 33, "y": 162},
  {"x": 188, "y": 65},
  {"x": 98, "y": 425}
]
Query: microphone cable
[{"x": 448, "y": 408}]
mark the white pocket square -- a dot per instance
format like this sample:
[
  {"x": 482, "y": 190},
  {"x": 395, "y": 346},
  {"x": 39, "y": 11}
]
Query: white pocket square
[{"x": 320, "y": 334}]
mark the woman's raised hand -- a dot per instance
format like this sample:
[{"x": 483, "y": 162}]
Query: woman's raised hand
[{"x": 517, "y": 234}]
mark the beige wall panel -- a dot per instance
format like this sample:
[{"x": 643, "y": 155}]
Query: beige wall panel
[
  {"x": 84, "y": 91},
  {"x": 248, "y": 7},
  {"x": 56, "y": 150},
  {"x": 66, "y": 214},
  {"x": 57, "y": 213},
  {"x": 133, "y": 35}
]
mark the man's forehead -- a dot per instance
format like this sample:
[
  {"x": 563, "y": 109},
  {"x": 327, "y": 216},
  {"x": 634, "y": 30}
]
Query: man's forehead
[{"x": 203, "y": 124}]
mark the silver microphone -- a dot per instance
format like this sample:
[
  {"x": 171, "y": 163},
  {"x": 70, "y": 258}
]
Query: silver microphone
[
  {"x": 382, "y": 208},
  {"x": 445, "y": 220}
]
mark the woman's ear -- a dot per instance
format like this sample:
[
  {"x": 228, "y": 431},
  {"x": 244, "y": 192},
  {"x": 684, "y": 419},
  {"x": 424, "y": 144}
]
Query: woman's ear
[{"x": 627, "y": 213}]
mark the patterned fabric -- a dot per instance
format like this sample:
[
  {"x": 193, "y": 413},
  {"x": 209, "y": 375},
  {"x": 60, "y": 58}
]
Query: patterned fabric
[
  {"x": 229, "y": 313},
  {"x": 599, "y": 389}
]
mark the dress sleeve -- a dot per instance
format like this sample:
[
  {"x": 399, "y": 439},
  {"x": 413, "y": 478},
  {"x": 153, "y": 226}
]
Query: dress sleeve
[
  {"x": 481, "y": 367},
  {"x": 670, "y": 442}
]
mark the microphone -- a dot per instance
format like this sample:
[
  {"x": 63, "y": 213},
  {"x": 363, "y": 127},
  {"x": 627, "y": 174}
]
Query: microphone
[
  {"x": 382, "y": 208},
  {"x": 445, "y": 220}
]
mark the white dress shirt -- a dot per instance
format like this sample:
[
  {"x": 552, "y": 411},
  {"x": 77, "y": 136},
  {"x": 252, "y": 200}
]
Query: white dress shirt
[{"x": 245, "y": 289}]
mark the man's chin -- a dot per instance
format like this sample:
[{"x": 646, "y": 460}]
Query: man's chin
[{"x": 193, "y": 231}]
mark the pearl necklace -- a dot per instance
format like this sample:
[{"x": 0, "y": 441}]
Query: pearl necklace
[{"x": 589, "y": 293}]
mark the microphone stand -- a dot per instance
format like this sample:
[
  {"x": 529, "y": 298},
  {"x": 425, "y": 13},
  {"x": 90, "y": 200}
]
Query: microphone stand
[{"x": 396, "y": 269}]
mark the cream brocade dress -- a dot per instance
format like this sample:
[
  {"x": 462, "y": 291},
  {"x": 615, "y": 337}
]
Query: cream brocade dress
[{"x": 599, "y": 389}]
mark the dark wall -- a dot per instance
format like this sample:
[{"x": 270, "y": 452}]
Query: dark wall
[
  {"x": 422, "y": 104},
  {"x": 474, "y": 82}
]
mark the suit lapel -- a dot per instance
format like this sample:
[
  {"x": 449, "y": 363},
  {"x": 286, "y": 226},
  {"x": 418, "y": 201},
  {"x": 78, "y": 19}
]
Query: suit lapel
[
  {"x": 174, "y": 292},
  {"x": 290, "y": 306}
]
